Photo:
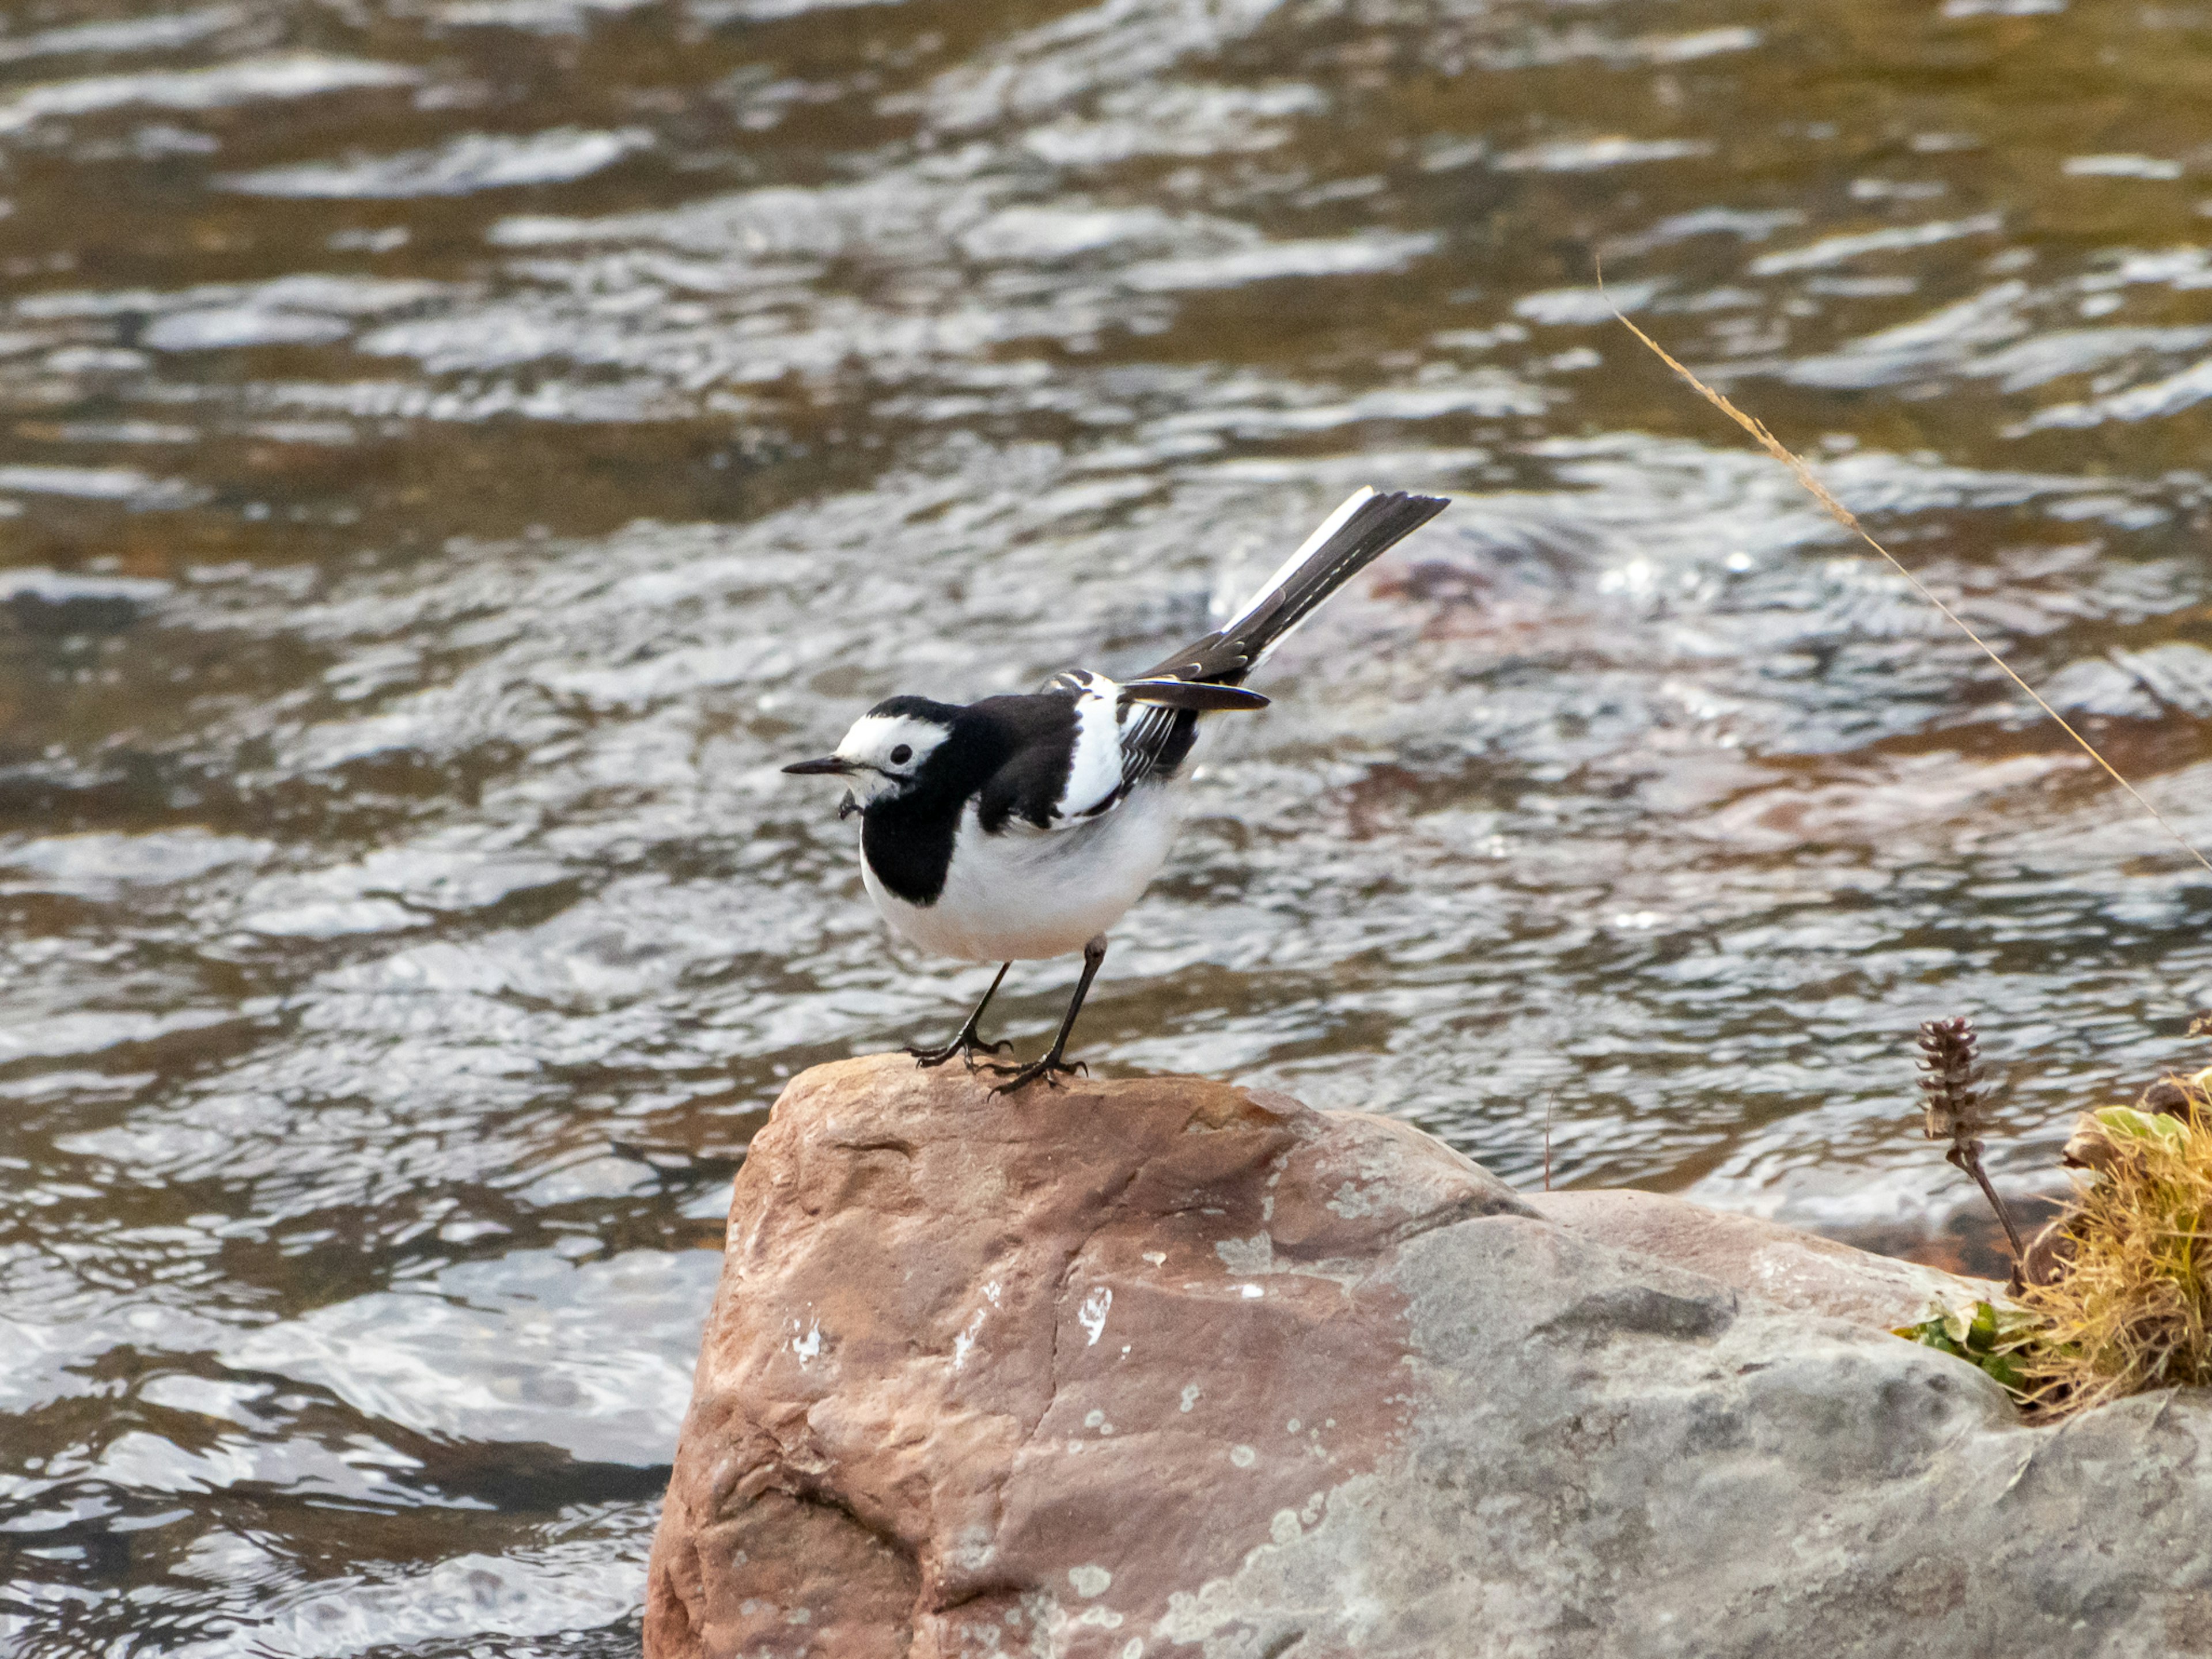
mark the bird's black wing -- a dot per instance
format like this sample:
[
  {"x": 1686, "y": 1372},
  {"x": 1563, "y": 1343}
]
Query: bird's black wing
[{"x": 1154, "y": 741}]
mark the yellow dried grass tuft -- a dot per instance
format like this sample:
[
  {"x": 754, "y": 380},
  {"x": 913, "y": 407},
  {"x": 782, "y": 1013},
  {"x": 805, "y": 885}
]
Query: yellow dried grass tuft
[{"x": 2129, "y": 1306}]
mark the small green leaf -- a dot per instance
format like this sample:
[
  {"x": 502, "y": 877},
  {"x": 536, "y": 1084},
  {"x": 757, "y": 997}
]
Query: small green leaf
[
  {"x": 2006, "y": 1369},
  {"x": 1983, "y": 1335},
  {"x": 2013, "y": 1324},
  {"x": 2126, "y": 1123}
]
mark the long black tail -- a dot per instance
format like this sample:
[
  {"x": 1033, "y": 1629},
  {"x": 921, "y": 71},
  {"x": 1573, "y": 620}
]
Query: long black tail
[
  {"x": 1358, "y": 533},
  {"x": 1349, "y": 539}
]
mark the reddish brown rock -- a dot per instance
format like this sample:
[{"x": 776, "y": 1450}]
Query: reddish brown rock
[
  {"x": 1135, "y": 1370},
  {"x": 967, "y": 1352}
]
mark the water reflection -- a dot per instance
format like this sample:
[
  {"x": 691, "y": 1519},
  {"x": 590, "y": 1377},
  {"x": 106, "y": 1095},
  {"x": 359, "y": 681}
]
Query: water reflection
[{"x": 455, "y": 449}]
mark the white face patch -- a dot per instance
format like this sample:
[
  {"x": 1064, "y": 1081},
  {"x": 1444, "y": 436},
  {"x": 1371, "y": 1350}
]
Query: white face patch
[{"x": 887, "y": 750}]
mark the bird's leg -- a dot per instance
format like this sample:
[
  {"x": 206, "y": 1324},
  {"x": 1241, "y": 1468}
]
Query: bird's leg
[
  {"x": 1093, "y": 954},
  {"x": 965, "y": 1042}
]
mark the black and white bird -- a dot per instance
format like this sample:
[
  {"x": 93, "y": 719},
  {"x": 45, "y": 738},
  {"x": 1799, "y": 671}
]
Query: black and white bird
[{"x": 1022, "y": 827}]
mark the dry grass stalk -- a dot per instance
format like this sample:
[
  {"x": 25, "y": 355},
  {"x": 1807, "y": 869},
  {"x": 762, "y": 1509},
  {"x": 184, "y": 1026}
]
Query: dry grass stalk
[
  {"x": 2131, "y": 1309},
  {"x": 1958, "y": 1111},
  {"x": 1849, "y": 520}
]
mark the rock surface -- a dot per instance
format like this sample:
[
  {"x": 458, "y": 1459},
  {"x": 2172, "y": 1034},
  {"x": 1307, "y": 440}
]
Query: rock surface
[
  {"x": 1764, "y": 1259},
  {"x": 1168, "y": 1367}
]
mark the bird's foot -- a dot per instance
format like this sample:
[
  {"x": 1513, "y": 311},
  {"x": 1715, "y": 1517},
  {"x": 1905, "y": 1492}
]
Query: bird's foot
[
  {"x": 967, "y": 1046},
  {"x": 1050, "y": 1068}
]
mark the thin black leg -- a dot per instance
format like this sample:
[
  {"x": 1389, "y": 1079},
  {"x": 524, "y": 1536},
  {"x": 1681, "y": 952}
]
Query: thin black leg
[
  {"x": 965, "y": 1042},
  {"x": 1093, "y": 954}
]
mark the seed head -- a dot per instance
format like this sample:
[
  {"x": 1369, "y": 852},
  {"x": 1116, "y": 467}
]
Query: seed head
[{"x": 1951, "y": 1080}]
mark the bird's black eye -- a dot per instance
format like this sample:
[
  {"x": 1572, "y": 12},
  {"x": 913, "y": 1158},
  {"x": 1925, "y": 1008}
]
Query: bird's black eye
[{"x": 902, "y": 754}]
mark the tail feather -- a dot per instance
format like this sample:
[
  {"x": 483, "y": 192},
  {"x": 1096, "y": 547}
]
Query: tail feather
[
  {"x": 1154, "y": 740},
  {"x": 1362, "y": 530}
]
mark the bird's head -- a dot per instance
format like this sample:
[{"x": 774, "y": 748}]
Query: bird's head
[{"x": 885, "y": 750}]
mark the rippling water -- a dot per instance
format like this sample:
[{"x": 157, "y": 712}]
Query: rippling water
[{"x": 454, "y": 450}]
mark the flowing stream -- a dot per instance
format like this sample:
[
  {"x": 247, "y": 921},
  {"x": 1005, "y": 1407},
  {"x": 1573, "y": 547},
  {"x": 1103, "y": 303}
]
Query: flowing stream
[{"x": 451, "y": 452}]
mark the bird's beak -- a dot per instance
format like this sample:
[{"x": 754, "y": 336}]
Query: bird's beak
[{"x": 830, "y": 764}]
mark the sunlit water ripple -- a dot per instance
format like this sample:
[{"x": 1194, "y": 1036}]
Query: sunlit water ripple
[{"x": 456, "y": 449}]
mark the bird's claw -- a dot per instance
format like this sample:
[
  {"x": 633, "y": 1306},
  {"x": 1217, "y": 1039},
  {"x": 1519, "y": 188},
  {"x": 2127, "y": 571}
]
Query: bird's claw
[
  {"x": 1049, "y": 1068},
  {"x": 967, "y": 1046}
]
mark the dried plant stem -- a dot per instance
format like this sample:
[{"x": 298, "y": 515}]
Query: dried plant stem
[
  {"x": 1969, "y": 1158},
  {"x": 1846, "y": 518}
]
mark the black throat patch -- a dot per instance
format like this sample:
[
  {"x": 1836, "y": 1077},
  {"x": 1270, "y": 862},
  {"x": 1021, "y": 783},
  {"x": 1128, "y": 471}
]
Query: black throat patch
[
  {"x": 1011, "y": 754},
  {"x": 907, "y": 838}
]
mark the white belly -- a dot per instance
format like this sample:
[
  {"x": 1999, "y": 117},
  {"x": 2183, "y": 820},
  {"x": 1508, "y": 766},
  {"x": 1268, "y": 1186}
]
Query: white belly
[{"x": 1032, "y": 893}]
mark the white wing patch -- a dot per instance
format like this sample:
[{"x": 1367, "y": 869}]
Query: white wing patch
[{"x": 1094, "y": 771}]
